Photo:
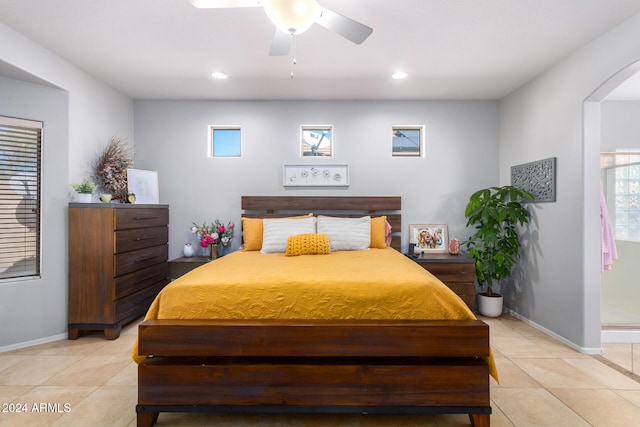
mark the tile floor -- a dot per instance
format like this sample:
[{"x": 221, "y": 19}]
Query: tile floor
[{"x": 92, "y": 382}]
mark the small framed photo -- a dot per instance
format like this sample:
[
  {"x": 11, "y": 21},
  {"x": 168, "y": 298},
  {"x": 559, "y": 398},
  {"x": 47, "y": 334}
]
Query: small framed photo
[
  {"x": 429, "y": 238},
  {"x": 144, "y": 185}
]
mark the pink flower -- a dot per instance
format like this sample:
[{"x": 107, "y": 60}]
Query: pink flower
[
  {"x": 232, "y": 226},
  {"x": 221, "y": 229}
]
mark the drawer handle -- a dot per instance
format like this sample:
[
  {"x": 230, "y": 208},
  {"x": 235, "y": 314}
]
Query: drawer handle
[
  {"x": 146, "y": 258},
  {"x": 457, "y": 273},
  {"x": 148, "y": 278},
  {"x": 144, "y": 217},
  {"x": 145, "y": 238}
]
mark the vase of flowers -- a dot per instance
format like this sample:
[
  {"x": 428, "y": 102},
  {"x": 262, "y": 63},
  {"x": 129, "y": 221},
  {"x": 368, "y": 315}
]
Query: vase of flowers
[{"x": 214, "y": 236}]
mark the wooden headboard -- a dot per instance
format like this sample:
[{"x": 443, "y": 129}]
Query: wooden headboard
[{"x": 282, "y": 206}]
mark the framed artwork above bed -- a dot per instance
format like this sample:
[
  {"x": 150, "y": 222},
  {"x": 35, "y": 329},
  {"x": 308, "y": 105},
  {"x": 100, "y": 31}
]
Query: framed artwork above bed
[
  {"x": 429, "y": 238},
  {"x": 315, "y": 176}
]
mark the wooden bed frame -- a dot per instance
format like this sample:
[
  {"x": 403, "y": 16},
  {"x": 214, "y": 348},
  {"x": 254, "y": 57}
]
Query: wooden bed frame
[{"x": 315, "y": 366}]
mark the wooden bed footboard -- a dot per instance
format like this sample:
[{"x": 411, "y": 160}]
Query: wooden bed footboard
[{"x": 306, "y": 366}]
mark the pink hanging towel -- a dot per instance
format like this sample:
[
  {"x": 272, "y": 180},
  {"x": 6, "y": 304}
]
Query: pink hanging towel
[{"x": 607, "y": 239}]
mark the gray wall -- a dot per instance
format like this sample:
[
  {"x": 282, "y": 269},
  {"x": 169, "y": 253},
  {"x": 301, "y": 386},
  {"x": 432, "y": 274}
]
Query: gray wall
[
  {"x": 79, "y": 118},
  {"x": 620, "y": 125},
  {"x": 461, "y": 155},
  {"x": 559, "y": 287},
  {"x": 38, "y": 308}
]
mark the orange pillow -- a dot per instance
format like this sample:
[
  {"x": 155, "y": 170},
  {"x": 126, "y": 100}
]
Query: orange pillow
[
  {"x": 378, "y": 232},
  {"x": 252, "y": 232}
]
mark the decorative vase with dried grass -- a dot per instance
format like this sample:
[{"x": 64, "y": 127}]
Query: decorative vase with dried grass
[{"x": 110, "y": 168}]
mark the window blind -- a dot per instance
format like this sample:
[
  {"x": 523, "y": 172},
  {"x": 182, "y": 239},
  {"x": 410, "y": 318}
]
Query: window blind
[{"x": 20, "y": 178}]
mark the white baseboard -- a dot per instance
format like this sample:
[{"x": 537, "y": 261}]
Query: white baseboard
[
  {"x": 34, "y": 342},
  {"x": 620, "y": 336},
  {"x": 583, "y": 350}
]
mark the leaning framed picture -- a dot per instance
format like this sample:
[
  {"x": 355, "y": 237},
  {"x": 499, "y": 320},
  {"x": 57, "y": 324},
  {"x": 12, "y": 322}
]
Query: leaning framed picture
[
  {"x": 144, "y": 185},
  {"x": 429, "y": 238}
]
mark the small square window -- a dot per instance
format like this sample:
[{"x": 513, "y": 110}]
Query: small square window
[
  {"x": 225, "y": 141},
  {"x": 316, "y": 141},
  {"x": 407, "y": 141}
]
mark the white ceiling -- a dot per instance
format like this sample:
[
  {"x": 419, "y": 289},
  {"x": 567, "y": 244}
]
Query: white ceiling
[{"x": 452, "y": 49}]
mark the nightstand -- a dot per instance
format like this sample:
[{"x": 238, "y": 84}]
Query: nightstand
[
  {"x": 458, "y": 272},
  {"x": 180, "y": 266}
]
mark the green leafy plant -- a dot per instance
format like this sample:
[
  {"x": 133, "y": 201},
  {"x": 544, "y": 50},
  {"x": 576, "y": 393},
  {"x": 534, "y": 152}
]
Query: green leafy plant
[
  {"x": 84, "y": 187},
  {"x": 495, "y": 213}
]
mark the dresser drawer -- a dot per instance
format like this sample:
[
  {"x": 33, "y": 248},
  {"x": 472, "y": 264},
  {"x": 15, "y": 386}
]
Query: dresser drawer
[
  {"x": 139, "y": 238},
  {"x": 452, "y": 273},
  {"x": 139, "y": 218},
  {"x": 132, "y": 282},
  {"x": 466, "y": 291},
  {"x": 137, "y": 303},
  {"x": 129, "y": 262}
]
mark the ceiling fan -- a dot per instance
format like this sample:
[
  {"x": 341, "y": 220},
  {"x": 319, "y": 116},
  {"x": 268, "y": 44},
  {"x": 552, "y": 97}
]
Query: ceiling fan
[{"x": 293, "y": 17}]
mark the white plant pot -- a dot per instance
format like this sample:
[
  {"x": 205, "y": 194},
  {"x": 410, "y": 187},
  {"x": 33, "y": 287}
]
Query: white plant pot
[
  {"x": 490, "y": 306},
  {"x": 84, "y": 197}
]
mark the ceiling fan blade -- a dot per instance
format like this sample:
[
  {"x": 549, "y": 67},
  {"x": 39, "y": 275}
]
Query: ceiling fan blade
[
  {"x": 346, "y": 27},
  {"x": 223, "y": 4},
  {"x": 281, "y": 44}
]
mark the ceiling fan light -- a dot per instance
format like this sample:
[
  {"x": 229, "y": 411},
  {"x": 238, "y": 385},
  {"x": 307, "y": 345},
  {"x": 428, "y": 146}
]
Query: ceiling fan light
[{"x": 292, "y": 16}]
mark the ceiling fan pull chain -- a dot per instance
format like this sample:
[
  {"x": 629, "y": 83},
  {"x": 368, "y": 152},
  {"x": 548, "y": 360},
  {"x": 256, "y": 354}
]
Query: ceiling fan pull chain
[{"x": 294, "y": 61}]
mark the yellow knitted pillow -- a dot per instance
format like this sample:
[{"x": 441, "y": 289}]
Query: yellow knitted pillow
[{"x": 308, "y": 244}]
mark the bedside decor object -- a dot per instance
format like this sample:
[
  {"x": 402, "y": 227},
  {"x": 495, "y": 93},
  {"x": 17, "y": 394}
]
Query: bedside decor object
[
  {"x": 106, "y": 198},
  {"x": 495, "y": 213},
  {"x": 214, "y": 251},
  {"x": 537, "y": 178},
  {"x": 187, "y": 250},
  {"x": 429, "y": 238},
  {"x": 454, "y": 246},
  {"x": 110, "y": 168},
  {"x": 315, "y": 176},
  {"x": 214, "y": 236},
  {"x": 84, "y": 189},
  {"x": 143, "y": 186}
]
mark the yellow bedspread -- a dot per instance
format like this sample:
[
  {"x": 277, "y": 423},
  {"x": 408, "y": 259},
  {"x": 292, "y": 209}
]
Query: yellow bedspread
[{"x": 372, "y": 284}]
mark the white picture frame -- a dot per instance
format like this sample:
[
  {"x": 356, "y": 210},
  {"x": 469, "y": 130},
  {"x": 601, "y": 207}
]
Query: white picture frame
[
  {"x": 315, "y": 176},
  {"x": 429, "y": 238},
  {"x": 144, "y": 185}
]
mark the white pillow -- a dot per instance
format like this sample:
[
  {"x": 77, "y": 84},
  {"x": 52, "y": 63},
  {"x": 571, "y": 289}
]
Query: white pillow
[
  {"x": 276, "y": 232},
  {"x": 346, "y": 234}
]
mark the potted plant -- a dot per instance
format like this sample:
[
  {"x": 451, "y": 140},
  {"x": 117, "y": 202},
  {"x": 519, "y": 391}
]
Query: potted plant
[
  {"x": 84, "y": 189},
  {"x": 495, "y": 212}
]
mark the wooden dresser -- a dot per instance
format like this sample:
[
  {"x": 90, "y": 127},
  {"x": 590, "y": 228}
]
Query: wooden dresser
[
  {"x": 458, "y": 272},
  {"x": 117, "y": 264}
]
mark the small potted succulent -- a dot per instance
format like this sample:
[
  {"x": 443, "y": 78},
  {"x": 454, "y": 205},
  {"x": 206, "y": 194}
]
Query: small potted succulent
[{"x": 84, "y": 189}]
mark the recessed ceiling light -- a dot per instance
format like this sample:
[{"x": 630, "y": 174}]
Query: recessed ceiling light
[
  {"x": 399, "y": 75},
  {"x": 219, "y": 75}
]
